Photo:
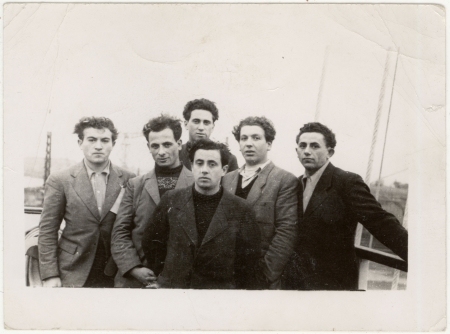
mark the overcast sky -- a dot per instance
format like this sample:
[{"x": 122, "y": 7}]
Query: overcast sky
[{"x": 132, "y": 62}]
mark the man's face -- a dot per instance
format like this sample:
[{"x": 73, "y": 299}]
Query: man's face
[
  {"x": 164, "y": 148},
  {"x": 312, "y": 151},
  {"x": 200, "y": 125},
  {"x": 208, "y": 170},
  {"x": 253, "y": 145},
  {"x": 96, "y": 145}
]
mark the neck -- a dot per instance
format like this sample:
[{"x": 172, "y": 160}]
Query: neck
[
  {"x": 208, "y": 192},
  {"x": 251, "y": 163},
  {"x": 175, "y": 165},
  {"x": 97, "y": 167}
]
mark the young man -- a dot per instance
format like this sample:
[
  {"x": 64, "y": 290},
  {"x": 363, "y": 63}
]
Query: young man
[
  {"x": 331, "y": 203},
  {"x": 202, "y": 237},
  {"x": 200, "y": 117},
  {"x": 271, "y": 191},
  {"x": 83, "y": 196},
  {"x": 142, "y": 195}
]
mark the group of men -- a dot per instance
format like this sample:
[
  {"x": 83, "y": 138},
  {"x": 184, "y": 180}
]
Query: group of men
[{"x": 197, "y": 220}]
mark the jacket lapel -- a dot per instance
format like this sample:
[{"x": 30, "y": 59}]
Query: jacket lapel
[
  {"x": 83, "y": 188},
  {"x": 113, "y": 188},
  {"x": 185, "y": 179},
  {"x": 151, "y": 185},
  {"x": 219, "y": 220},
  {"x": 186, "y": 216},
  {"x": 256, "y": 191},
  {"x": 230, "y": 181},
  {"x": 320, "y": 192}
]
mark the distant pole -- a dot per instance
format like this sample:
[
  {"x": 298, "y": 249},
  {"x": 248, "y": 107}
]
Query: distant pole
[
  {"x": 322, "y": 79},
  {"x": 48, "y": 157},
  {"x": 387, "y": 127}
]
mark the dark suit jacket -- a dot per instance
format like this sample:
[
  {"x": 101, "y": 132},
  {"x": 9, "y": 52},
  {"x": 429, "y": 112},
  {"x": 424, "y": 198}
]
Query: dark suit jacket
[
  {"x": 227, "y": 257},
  {"x": 274, "y": 199},
  {"x": 184, "y": 157},
  {"x": 139, "y": 201},
  {"x": 69, "y": 196},
  {"x": 325, "y": 256}
]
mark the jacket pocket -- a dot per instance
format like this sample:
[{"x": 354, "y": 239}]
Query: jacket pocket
[{"x": 68, "y": 246}]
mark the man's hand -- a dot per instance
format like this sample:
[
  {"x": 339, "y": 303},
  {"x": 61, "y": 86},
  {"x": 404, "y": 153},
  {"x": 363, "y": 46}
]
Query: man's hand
[
  {"x": 52, "y": 282},
  {"x": 143, "y": 275}
]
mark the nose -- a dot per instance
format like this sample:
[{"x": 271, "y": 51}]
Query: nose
[
  {"x": 204, "y": 170},
  {"x": 98, "y": 145},
  {"x": 307, "y": 150},
  {"x": 161, "y": 151}
]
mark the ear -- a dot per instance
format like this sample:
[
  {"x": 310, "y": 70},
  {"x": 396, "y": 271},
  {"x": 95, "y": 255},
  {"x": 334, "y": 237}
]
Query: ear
[
  {"x": 186, "y": 124},
  {"x": 330, "y": 152},
  {"x": 80, "y": 142},
  {"x": 224, "y": 169},
  {"x": 148, "y": 145},
  {"x": 269, "y": 146},
  {"x": 180, "y": 143},
  {"x": 113, "y": 143}
]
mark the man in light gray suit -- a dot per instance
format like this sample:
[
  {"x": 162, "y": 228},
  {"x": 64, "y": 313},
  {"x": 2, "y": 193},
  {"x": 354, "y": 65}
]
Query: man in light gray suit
[
  {"x": 141, "y": 197},
  {"x": 85, "y": 196},
  {"x": 270, "y": 190}
]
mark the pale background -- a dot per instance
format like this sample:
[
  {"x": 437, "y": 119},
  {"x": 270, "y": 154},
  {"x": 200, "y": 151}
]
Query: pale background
[{"x": 132, "y": 62}]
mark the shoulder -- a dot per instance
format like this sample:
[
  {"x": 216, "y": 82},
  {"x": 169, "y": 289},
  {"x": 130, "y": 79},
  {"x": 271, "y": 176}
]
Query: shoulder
[
  {"x": 176, "y": 195},
  {"x": 345, "y": 179},
  {"x": 282, "y": 175},
  {"x": 231, "y": 175},
  {"x": 65, "y": 174},
  {"x": 126, "y": 173}
]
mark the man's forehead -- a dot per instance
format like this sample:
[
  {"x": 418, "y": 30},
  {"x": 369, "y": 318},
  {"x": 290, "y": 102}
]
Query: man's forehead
[
  {"x": 97, "y": 133},
  {"x": 208, "y": 155},
  {"x": 165, "y": 135},
  {"x": 252, "y": 130},
  {"x": 201, "y": 114},
  {"x": 310, "y": 137}
]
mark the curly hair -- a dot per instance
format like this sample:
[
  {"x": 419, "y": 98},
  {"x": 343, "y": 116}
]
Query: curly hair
[
  {"x": 96, "y": 123},
  {"x": 263, "y": 122},
  {"x": 163, "y": 122},
  {"x": 200, "y": 104},
  {"x": 207, "y": 144},
  {"x": 330, "y": 138}
]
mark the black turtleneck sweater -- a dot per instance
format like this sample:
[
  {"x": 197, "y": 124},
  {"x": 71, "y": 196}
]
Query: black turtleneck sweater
[
  {"x": 167, "y": 178},
  {"x": 205, "y": 208}
]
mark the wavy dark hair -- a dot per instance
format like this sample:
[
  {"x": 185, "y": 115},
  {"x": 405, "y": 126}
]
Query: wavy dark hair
[
  {"x": 261, "y": 121},
  {"x": 207, "y": 144},
  {"x": 201, "y": 104},
  {"x": 330, "y": 138},
  {"x": 163, "y": 122},
  {"x": 96, "y": 123}
]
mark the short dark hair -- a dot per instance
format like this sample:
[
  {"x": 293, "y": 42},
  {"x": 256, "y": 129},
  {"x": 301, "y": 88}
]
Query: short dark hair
[
  {"x": 207, "y": 144},
  {"x": 96, "y": 123},
  {"x": 201, "y": 104},
  {"x": 330, "y": 138},
  {"x": 163, "y": 122},
  {"x": 262, "y": 122}
]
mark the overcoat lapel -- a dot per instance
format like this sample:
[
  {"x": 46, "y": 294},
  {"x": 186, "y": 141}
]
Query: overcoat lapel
[
  {"x": 112, "y": 189},
  {"x": 321, "y": 191},
  {"x": 151, "y": 185},
  {"x": 186, "y": 216},
  {"x": 185, "y": 179},
  {"x": 256, "y": 191},
  {"x": 83, "y": 187},
  {"x": 232, "y": 185},
  {"x": 219, "y": 220}
]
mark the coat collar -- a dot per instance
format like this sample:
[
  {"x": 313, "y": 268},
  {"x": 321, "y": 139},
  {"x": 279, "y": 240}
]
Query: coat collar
[
  {"x": 83, "y": 187},
  {"x": 321, "y": 190},
  {"x": 186, "y": 216},
  {"x": 257, "y": 189},
  {"x": 151, "y": 183}
]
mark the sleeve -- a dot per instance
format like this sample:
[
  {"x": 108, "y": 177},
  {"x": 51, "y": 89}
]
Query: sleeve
[
  {"x": 380, "y": 223},
  {"x": 282, "y": 245},
  {"x": 52, "y": 215},
  {"x": 232, "y": 164},
  {"x": 123, "y": 250},
  {"x": 248, "y": 273},
  {"x": 156, "y": 235}
]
